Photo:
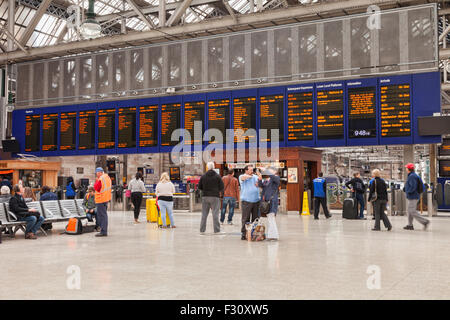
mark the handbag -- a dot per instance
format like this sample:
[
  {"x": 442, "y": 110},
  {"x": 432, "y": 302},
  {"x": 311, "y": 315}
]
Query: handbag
[
  {"x": 374, "y": 197},
  {"x": 128, "y": 193}
]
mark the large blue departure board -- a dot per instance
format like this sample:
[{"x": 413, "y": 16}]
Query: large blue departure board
[{"x": 363, "y": 111}]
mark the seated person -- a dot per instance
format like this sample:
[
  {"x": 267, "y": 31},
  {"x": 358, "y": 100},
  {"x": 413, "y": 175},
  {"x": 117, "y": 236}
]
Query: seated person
[
  {"x": 5, "y": 194},
  {"x": 18, "y": 206},
  {"x": 89, "y": 207},
  {"x": 47, "y": 195}
]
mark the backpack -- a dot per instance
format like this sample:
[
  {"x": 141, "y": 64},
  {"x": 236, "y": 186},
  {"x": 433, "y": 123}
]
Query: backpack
[
  {"x": 359, "y": 187},
  {"x": 74, "y": 226},
  {"x": 419, "y": 185}
]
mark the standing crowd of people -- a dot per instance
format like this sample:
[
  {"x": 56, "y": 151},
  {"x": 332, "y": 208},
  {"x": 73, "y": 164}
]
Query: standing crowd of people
[{"x": 252, "y": 189}]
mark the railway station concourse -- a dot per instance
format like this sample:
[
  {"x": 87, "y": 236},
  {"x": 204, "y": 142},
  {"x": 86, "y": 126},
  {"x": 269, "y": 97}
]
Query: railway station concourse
[{"x": 295, "y": 95}]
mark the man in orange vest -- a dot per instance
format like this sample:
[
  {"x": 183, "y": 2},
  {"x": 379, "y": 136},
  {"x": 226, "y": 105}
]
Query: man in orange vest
[{"x": 102, "y": 188}]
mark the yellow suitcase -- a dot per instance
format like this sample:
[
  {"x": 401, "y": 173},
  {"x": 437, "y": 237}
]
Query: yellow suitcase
[{"x": 151, "y": 210}]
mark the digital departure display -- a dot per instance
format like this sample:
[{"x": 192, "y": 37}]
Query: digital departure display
[
  {"x": 300, "y": 116},
  {"x": 50, "y": 132},
  {"x": 68, "y": 130},
  {"x": 271, "y": 115},
  {"x": 395, "y": 103},
  {"x": 148, "y": 126},
  {"x": 444, "y": 149},
  {"x": 362, "y": 121},
  {"x": 106, "y": 128},
  {"x": 32, "y": 133},
  {"x": 170, "y": 121},
  {"x": 127, "y": 128},
  {"x": 194, "y": 111},
  {"x": 219, "y": 117},
  {"x": 444, "y": 168},
  {"x": 244, "y": 117},
  {"x": 330, "y": 114},
  {"x": 86, "y": 130}
]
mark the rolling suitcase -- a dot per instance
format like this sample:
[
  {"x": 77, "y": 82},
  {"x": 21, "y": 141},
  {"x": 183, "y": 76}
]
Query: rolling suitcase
[
  {"x": 350, "y": 209},
  {"x": 151, "y": 210}
]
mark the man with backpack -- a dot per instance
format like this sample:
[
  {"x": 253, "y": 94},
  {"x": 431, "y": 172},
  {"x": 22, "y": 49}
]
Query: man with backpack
[
  {"x": 358, "y": 189},
  {"x": 413, "y": 188}
]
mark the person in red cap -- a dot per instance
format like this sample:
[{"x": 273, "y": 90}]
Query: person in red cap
[{"x": 413, "y": 188}]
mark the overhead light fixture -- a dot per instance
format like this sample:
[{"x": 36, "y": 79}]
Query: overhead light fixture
[{"x": 90, "y": 28}]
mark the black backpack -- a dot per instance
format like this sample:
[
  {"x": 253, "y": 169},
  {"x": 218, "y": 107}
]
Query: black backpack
[
  {"x": 419, "y": 185},
  {"x": 360, "y": 187}
]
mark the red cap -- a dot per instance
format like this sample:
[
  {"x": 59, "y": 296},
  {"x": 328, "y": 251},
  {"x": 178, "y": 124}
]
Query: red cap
[{"x": 410, "y": 166}]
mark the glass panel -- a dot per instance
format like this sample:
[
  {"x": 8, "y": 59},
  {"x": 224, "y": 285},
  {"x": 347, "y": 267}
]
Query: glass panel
[
  {"x": 69, "y": 79},
  {"x": 54, "y": 76},
  {"x": 23, "y": 82},
  {"x": 194, "y": 63},
  {"x": 215, "y": 61},
  {"x": 333, "y": 41},
  {"x": 307, "y": 51},
  {"x": 360, "y": 45},
  {"x": 174, "y": 63},
  {"x": 283, "y": 53},
  {"x": 259, "y": 55},
  {"x": 389, "y": 42},
  {"x": 421, "y": 42},
  {"x": 137, "y": 70},
  {"x": 102, "y": 65},
  {"x": 119, "y": 76},
  {"x": 38, "y": 83},
  {"x": 237, "y": 57},
  {"x": 155, "y": 64},
  {"x": 86, "y": 78}
]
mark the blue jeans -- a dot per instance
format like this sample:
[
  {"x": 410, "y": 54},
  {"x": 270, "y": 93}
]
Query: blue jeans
[
  {"x": 360, "y": 199},
  {"x": 92, "y": 215},
  {"x": 232, "y": 204},
  {"x": 166, "y": 206},
  {"x": 33, "y": 223}
]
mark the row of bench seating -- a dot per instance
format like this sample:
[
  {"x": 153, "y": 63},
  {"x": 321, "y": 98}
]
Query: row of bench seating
[{"x": 52, "y": 211}]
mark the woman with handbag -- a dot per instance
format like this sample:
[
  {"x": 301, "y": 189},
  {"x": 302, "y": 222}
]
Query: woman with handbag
[
  {"x": 378, "y": 197},
  {"x": 270, "y": 183},
  {"x": 136, "y": 189}
]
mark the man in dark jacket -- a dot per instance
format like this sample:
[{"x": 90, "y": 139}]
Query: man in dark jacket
[
  {"x": 358, "y": 189},
  {"x": 47, "y": 195},
  {"x": 18, "y": 206},
  {"x": 412, "y": 197},
  {"x": 211, "y": 185}
]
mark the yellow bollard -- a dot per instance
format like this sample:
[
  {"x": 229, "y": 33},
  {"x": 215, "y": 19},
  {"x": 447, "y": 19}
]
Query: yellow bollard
[{"x": 305, "y": 209}]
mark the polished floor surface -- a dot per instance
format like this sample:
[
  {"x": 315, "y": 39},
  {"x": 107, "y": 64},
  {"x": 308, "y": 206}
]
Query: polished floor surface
[{"x": 323, "y": 259}]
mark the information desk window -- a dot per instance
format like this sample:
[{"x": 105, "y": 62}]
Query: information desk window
[
  {"x": 106, "y": 128},
  {"x": 194, "y": 111},
  {"x": 362, "y": 121},
  {"x": 32, "y": 133},
  {"x": 272, "y": 115},
  {"x": 244, "y": 117},
  {"x": 330, "y": 114},
  {"x": 68, "y": 131},
  {"x": 127, "y": 127},
  {"x": 86, "y": 131},
  {"x": 148, "y": 126},
  {"x": 50, "y": 132},
  {"x": 170, "y": 121},
  {"x": 300, "y": 116},
  {"x": 395, "y": 102},
  {"x": 219, "y": 117}
]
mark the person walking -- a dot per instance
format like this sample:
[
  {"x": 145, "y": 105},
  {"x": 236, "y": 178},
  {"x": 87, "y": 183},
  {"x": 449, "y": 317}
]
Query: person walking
[
  {"x": 378, "y": 197},
  {"x": 320, "y": 196},
  {"x": 32, "y": 217},
  {"x": 270, "y": 183},
  {"x": 70, "y": 189},
  {"x": 249, "y": 197},
  {"x": 358, "y": 189},
  {"x": 137, "y": 189},
  {"x": 413, "y": 188},
  {"x": 230, "y": 196},
  {"x": 164, "y": 192},
  {"x": 211, "y": 185},
  {"x": 102, "y": 188}
]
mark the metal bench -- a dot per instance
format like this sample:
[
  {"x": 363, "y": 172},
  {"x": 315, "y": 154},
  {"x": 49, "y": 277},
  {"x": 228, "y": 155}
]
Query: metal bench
[
  {"x": 6, "y": 224},
  {"x": 52, "y": 211},
  {"x": 37, "y": 205},
  {"x": 80, "y": 208},
  {"x": 14, "y": 224},
  {"x": 69, "y": 209}
]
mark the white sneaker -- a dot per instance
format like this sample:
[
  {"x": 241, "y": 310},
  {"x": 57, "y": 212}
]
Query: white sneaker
[
  {"x": 202, "y": 233},
  {"x": 220, "y": 232}
]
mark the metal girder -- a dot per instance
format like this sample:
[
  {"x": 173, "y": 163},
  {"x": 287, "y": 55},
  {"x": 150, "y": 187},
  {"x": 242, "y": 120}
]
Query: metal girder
[
  {"x": 162, "y": 13},
  {"x": 11, "y": 36},
  {"x": 222, "y": 25},
  {"x": 141, "y": 15},
  {"x": 179, "y": 11},
  {"x": 230, "y": 11},
  {"x": 32, "y": 25}
]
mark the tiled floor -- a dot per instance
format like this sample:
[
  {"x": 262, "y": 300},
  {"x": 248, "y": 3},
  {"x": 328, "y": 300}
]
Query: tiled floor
[{"x": 324, "y": 259}]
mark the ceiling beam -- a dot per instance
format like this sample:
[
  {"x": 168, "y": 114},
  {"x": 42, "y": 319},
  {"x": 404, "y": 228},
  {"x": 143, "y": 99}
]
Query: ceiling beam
[
  {"x": 179, "y": 11},
  {"x": 141, "y": 15},
  {"x": 32, "y": 25},
  {"x": 230, "y": 11},
  {"x": 210, "y": 25}
]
